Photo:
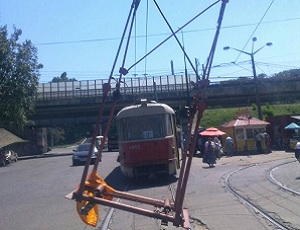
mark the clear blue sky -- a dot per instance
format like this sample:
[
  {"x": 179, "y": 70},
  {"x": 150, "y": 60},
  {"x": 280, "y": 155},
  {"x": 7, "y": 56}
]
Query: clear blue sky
[{"x": 82, "y": 37}]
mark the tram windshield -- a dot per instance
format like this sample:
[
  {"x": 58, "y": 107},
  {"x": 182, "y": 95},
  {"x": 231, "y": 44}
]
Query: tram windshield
[{"x": 145, "y": 127}]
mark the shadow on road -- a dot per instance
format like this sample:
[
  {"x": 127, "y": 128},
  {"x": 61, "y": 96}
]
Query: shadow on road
[{"x": 118, "y": 181}]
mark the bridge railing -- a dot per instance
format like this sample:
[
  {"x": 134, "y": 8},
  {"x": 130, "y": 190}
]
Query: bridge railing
[{"x": 129, "y": 86}]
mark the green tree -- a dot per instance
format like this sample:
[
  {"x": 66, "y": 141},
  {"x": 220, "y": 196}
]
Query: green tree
[
  {"x": 63, "y": 78},
  {"x": 19, "y": 76},
  {"x": 262, "y": 75},
  {"x": 288, "y": 74},
  {"x": 56, "y": 136}
]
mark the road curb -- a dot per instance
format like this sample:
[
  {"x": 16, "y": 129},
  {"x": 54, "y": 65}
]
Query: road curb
[{"x": 44, "y": 155}]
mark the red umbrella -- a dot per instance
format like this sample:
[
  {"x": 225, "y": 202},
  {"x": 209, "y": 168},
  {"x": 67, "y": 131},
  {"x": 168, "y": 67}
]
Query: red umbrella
[{"x": 212, "y": 132}]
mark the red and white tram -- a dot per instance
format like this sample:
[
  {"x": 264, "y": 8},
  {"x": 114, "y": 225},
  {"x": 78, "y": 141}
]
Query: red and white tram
[{"x": 147, "y": 140}]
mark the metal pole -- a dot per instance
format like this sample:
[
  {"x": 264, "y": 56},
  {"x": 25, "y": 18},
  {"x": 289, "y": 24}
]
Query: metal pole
[
  {"x": 258, "y": 104},
  {"x": 257, "y": 95}
]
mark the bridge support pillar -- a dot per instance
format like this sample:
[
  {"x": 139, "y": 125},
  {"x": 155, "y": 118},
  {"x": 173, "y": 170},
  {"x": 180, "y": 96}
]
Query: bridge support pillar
[{"x": 41, "y": 139}]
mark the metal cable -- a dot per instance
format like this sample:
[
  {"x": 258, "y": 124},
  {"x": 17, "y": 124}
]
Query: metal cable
[
  {"x": 250, "y": 37},
  {"x": 166, "y": 39},
  {"x": 105, "y": 93},
  {"x": 173, "y": 33}
]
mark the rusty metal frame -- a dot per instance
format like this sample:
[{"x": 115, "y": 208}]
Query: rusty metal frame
[{"x": 165, "y": 210}]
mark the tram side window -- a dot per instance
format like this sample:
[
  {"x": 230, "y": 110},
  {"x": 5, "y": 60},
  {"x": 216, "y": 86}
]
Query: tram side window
[{"x": 168, "y": 123}]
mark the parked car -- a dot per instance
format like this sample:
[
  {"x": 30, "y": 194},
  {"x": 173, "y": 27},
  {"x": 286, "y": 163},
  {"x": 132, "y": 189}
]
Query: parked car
[
  {"x": 11, "y": 156},
  {"x": 81, "y": 153},
  {"x": 7, "y": 157}
]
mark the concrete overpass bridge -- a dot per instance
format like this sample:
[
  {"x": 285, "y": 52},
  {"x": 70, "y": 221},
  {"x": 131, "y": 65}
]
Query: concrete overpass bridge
[{"x": 79, "y": 101}]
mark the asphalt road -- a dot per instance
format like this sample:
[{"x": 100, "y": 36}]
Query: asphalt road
[{"x": 32, "y": 192}]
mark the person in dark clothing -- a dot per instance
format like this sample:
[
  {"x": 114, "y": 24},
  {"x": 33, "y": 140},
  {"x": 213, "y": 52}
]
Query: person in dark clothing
[
  {"x": 267, "y": 142},
  {"x": 229, "y": 145},
  {"x": 258, "y": 142},
  {"x": 209, "y": 153}
]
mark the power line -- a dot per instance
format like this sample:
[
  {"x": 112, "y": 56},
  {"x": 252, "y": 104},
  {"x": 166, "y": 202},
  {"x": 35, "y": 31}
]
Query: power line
[
  {"x": 159, "y": 34},
  {"x": 258, "y": 24}
]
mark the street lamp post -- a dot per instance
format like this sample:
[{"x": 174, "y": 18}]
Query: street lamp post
[{"x": 259, "y": 112}]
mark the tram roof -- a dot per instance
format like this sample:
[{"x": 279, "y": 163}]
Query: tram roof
[{"x": 149, "y": 109}]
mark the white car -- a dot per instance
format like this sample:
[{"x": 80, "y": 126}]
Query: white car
[
  {"x": 81, "y": 153},
  {"x": 11, "y": 156}
]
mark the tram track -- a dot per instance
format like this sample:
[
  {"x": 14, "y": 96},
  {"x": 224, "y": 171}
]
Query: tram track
[
  {"x": 266, "y": 196},
  {"x": 140, "y": 188},
  {"x": 272, "y": 179}
]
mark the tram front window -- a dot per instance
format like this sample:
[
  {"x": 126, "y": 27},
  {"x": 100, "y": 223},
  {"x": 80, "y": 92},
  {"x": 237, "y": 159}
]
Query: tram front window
[{"x": 145, "y": 127}]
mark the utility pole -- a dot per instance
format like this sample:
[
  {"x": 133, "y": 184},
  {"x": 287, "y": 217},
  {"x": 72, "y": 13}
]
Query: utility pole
[{"x": 257, "y": 94}]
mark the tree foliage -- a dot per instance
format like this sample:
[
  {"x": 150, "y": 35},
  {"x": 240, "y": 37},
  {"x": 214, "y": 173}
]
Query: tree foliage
[
  {"x": 288, "y": 74},
  {"x": 63, "y": 78},
  {"x": 19, "y": 76}
]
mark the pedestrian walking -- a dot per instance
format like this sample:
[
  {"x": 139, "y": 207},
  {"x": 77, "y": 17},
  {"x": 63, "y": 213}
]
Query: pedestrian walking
[
  {"x": 267, "y": 142},
  {"x": 209, "y": 153},
  {"x": 229, "y": 146},
  {"x": 258, "y": 142},
  {"x": 218, "y": 147}
]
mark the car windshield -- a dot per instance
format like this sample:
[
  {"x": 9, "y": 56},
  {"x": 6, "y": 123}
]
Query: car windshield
[{"x": 83, "y": 148}]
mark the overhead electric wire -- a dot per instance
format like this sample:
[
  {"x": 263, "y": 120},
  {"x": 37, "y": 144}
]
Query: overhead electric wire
[
  {"x": 159, "y": 34},
  {"x": 186, "y": 31},
  {"x": 97, "y": 127},
  {"x": 250, "y": 37},
  {"x": 180, "y": 45},
  {"x": 156, "y": 47}
]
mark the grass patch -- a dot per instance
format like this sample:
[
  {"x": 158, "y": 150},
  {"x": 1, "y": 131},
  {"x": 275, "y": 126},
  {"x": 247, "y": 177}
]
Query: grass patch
[{"x": 219, "y": 116}]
